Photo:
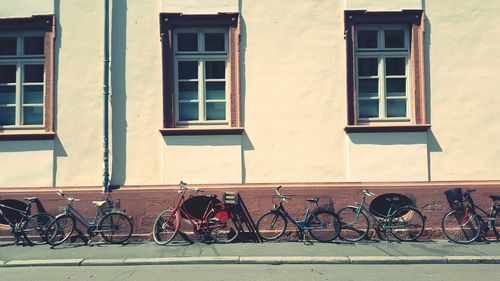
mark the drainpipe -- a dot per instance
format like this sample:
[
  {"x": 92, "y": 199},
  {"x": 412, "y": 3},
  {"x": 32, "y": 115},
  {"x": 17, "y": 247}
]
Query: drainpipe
[{"x": 105, "y": 184}]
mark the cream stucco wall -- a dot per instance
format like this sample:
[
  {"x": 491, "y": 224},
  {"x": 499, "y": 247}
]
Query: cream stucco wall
[{"x": 293, "y": 99}]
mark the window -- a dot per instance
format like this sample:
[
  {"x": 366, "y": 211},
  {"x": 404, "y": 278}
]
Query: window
[
  {"x": 385, "y": 72},
  {"x": 26, "y": 54},
  {"x": 200, "y": 74}
]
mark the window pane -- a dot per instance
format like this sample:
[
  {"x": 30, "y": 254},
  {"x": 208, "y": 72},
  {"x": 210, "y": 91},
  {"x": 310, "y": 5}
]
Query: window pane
[
  {"x": 396, "y": 108},
  {"x": 188, "y": 90},
  {"x": 7, "y": 94},
  {"x": 214, "y": 42},
  {"x": 188, "y": 69},
  {"x": 8, "y": 46},
  {"x": 395, "y": 66},
  {"x": 34, "y": 45},
  {"x": 188, "y": 111},
  {"x": 215, "y": 69},
  {"x": 367, "y": 39},
  {"x": 33, "y": 115},
  {"x": 216, "y": 111},
  {"x": 7, "y": 74},
  {"x": 33, "y": 73},
  {"x": 368, "y": 67},
  {"x": 368, "y": 108},
  {"x": 187, "y": 42},
  {"x": 396, "y": 86},
  {"x": 394, "y": 38},
  {"x": 7, "y": 116},
  {"x": 216, "y": 90},
  {"x": 33, "y": 94},
  {"x": 368, "y": 87}
]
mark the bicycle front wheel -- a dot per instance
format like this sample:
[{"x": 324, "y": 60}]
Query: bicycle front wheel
[
  {"x": 35, "y": 227},
  {"x": 354, "y": 226},
  {"x": 59, "y": 230},
  {"x": 223, "y": 225},
  {"x": 461, "y": 226},
  {"x": 271, "y": 225},
  {"x": 323, "y": 225},
  {"x": 166, "y": 226},
  {"x": 407, "y": 224},
  {"x": 115, "y": 227}
]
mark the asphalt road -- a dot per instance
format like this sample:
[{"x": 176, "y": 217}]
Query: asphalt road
[{"x": 444, "y": 272}]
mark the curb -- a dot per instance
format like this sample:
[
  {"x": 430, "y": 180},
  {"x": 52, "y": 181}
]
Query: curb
[{"x": 271, "y": 260}]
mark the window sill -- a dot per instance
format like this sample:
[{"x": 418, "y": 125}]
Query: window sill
[
  {"x": 20, "y": 136},
  {"x": 387, "y": 128},
  {"x": 199, "y": 131}
]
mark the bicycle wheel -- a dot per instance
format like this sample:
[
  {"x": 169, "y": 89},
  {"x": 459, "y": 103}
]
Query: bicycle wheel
[
  {"x": 461, "y": 227},
  {"x": 496, "y": 224},
  {"x": 35, "y": 227},
  {"x": 271, "y": 225},
  {"x": 353, "y": 226},
  {"x": 166, "y": 226},
  {"x": 407, "y": 224},
  {"x": 323, "y": 225},
  {"x": 115, "y": 227},
  {"x": 224, "y": 226},
  {"x": 60, "y": 229}
]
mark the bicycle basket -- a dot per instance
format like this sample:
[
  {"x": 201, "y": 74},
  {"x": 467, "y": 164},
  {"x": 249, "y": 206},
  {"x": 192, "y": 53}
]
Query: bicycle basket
[{"x": 455, "y": 198}]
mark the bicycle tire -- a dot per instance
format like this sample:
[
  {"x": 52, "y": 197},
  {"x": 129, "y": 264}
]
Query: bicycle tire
[
  {"x": 407, "y": 224},
  {"x": 166, "y": 226},
  {"x": 115, "y": 227},
  {"x": 223, "y": 225},
  {"x": 324, "y": 225},
  {"x": 353, "y": 227},
  {"x": 60, "y": 230},
  {"x": 458, "y": 230},
  {"x": 35, "y": 227},
  {"x": 271, "y": 225},
  {"x": 496, "y": 224}
]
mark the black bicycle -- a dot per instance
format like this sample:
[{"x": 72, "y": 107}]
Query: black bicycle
[
  {"x": 321, "y": 223},
  {"x": 18, "y": 226},
  {"x": 464, "y": 225},
  {"x": 403, "y": 220}
]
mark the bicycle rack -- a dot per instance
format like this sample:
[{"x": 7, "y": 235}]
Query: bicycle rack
[{"x": 233, "y": 200}]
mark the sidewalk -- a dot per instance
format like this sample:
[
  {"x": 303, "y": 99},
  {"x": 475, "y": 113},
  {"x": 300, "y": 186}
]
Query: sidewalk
[{"x": 148, "y": 253}]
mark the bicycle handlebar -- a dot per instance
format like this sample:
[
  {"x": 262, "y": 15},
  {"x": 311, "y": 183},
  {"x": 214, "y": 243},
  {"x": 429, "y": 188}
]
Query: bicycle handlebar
[
  {"x": 183, "y": 187},
  {"x": 367, "y": 193},
  {"x": 282, "y": 196}
]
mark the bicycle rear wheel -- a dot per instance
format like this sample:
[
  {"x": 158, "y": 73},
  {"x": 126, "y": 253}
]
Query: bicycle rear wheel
[
  {"x": 35, "y": 227},
  {"x": 271, "y": 225},
  {"x": 59, "y": 230},
  {"x": 166, "y": 226},
  {"x": 407, "y": 224},
  {"x": 224, "y": 226},
  {"x": 461, "y": 226},
  {"x": 115, "y": 227},
  {"x": 353, "y": 226},
  {"x": 323, "y": 225}
]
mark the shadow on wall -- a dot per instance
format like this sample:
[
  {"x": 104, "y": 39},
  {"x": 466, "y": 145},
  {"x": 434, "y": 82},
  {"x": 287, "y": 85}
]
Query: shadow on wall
[
  {"x": 388, "y": 138},
  {"x": 118, "y": 92},
  {"x": 215, "y": 140}
]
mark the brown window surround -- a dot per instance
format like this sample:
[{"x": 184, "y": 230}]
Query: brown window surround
[
  {"x": 415, "y": 20},
  {"x": 168, "y": 23},
  {"x": 45, "y": 23}
]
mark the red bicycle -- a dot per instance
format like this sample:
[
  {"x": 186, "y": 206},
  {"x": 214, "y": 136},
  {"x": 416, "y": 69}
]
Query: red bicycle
[{"x": 208, "y": 216}]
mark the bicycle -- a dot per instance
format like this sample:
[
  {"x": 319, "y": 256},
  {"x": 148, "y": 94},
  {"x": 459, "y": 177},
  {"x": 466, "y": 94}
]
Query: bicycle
[
  {"x": 464, "y": 225},
  {"x": 322, "y": 224},
  {"x": 406, "y": 223},
  {"x": 213, "y": 221},
  {"x": 25, "y": 228},
  {"x": 112, "y": 224}
]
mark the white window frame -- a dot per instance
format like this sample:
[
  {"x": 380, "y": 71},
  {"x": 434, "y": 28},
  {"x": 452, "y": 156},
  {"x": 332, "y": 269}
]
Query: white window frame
[
  {"x": 202, "y": 57},
  {"x": 20, "y": 60},
  {"x": 381, "y": 53}
]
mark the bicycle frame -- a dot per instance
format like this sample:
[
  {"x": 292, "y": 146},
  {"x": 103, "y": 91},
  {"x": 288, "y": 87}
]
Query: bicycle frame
[
  {"x": 24, "y": 214},
  {"x": 299, "y": 224},
  {"x": 72, "y": 212},
  {"x": 472, "y": 207}
]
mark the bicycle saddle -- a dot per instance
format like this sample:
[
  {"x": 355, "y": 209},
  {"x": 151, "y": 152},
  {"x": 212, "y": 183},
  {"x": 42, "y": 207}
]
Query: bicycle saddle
[
  {"x": 99, "y": 203},
  {"x": 313, "y": 199},
  {"x": 393, "y": 199},
  {"x": 495, "y": 197},
  {"x": 30, "y": 199}
]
